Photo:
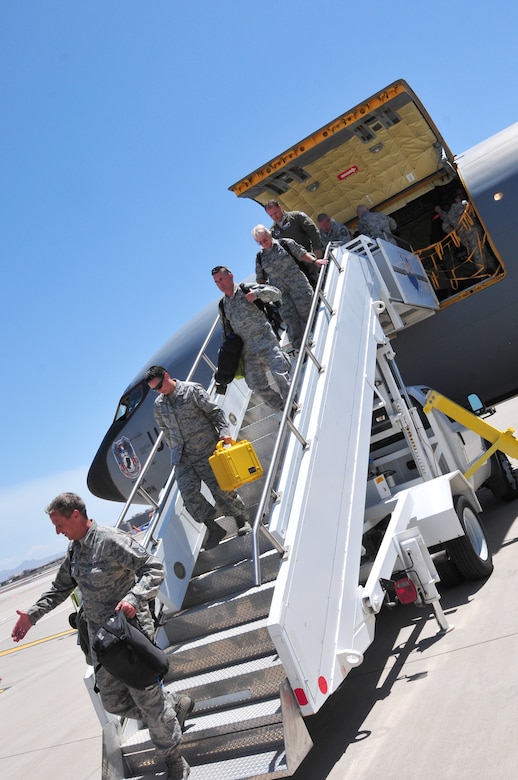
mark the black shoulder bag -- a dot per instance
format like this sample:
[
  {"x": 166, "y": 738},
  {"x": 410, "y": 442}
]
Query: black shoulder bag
[
  {"x": 228, "y": 355},
  {"x": 128, "y": 654}
]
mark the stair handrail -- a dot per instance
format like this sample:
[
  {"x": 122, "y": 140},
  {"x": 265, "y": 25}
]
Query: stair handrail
[{"x": 286, "y": 424}]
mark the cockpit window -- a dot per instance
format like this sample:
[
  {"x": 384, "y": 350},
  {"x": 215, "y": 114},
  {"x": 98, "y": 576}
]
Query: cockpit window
[{"x": 130, "y": 402}]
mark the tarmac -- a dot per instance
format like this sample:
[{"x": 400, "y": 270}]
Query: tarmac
[
  {"x": 49, "y": 728},
  {"x": 438, "y": 706}
]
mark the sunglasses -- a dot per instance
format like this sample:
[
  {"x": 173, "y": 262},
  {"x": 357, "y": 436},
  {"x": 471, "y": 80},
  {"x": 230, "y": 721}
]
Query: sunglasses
[{"x": 158, "y": 387}]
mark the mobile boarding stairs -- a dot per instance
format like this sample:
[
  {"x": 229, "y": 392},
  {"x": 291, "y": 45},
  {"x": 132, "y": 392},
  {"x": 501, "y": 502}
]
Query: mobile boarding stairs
[{"x": 262, "y": 629}]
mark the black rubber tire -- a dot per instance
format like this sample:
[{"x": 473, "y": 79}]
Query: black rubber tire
[
  {"x": 470, "y": 553},
  {"x": 448, "y": 572},
  {"x": 506, "y": 482}
]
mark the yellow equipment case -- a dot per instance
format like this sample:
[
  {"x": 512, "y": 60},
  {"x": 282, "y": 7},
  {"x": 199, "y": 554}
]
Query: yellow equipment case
[{"x": 235, "y": 465}]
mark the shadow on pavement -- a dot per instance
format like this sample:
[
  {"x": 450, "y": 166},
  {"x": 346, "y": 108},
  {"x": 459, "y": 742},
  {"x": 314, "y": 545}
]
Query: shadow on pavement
[{"x": 339, "y": 722}]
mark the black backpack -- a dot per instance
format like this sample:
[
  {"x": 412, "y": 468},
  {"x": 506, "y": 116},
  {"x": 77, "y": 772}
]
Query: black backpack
[
  {"x": 128, "y": 654},
  {"x": 229, "y": 355}
]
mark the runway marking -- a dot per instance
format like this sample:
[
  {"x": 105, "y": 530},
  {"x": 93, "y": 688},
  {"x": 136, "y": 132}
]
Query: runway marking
[{"x": 37, "y": 642}]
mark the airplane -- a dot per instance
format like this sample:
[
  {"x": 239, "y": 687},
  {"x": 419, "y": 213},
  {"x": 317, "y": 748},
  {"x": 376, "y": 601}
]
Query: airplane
[{"x": 387, "y": 154}]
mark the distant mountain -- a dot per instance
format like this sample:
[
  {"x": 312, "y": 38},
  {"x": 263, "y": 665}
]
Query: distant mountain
[{"x": 27, "y": 566}]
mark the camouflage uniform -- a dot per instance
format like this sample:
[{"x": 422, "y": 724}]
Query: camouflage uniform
[
  {"x": 261, "y": 349},
  {"x": 301, "y": 228},
  {"x": 469, "y": 233},
  {"x": 338, "y": 233},
  {"x": 377, "y": 225},
  {"x": 192, "y": 426},
  {"x": 109, "y": 566},
  {"x": 278, "y": 267}
]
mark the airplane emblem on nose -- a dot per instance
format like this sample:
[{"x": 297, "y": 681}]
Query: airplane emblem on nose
[{"x": 126, "y": 457}]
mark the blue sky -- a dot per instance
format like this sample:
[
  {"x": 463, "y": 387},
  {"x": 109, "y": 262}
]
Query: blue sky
[{"x": 123, "y": 124}]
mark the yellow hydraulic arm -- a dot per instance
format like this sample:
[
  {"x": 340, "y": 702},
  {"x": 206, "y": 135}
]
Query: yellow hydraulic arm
[{"x": 500, "y": 440}]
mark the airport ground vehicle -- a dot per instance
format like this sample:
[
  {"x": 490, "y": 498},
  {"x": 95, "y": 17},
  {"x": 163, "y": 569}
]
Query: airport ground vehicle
[{"x": 365, "y": 497}]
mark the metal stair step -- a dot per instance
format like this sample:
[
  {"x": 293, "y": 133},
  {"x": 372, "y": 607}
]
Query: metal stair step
[
  {"x": 271, "y": 762},
  {"x": 258, "y": 411},
  {"x": 253, "y": 739},
  {"x": 262, "y": 433},
  {"x": 251, "y": 730},
  {"x": 212, "y": 652},
  {"x": 231, "y": 579},
  {"x": 240, "y": 768},
  {"x": 234, "y": 610},
  {"x": 237, "y": 717},
  {"x": 243, "y": 682},
  {"x": 229, "y": 551},
  {"x": 252, "y": 491}
]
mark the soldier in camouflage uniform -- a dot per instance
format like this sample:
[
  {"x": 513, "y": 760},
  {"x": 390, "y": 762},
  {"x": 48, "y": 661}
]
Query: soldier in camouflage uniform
[
  {"x": 301, "y": 228},
  {"x": 332, "y": 231},
  {"x": 469, "y": 232},
  {"x": 375, "y": 224},
  {"x": 113, "y": 572},
  {"x": 261, "y": 351},
  {"x": 276, "y": 264},
  {"x": 192, "y": 425}
]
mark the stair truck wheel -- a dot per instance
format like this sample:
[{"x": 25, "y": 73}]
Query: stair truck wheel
[
  {"x": 470, "y": 553},
  {"x": 505, "y": 484},
  {"x": 448, "y": 572}
]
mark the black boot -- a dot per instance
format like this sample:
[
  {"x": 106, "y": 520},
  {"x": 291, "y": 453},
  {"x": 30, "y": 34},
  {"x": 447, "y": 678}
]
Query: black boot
[
  {"x": 243, "y": 526},
  {"x": 215, "y": 535},
  {"x": 177, "y": 768}
]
